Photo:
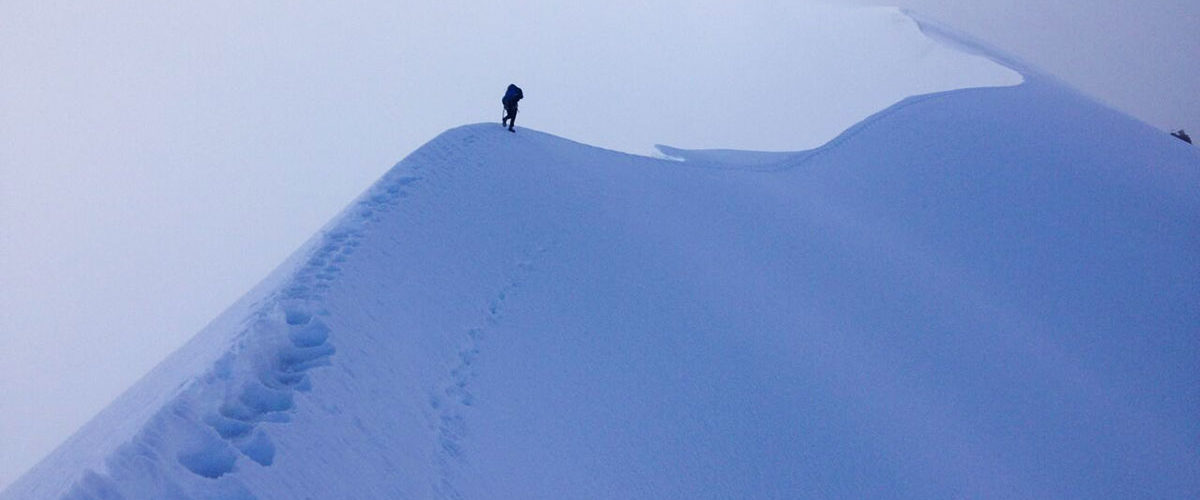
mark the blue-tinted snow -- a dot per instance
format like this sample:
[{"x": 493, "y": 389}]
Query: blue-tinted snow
[{"x": 985, "y": 293}]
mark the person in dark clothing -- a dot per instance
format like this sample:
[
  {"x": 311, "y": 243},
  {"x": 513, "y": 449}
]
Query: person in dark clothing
[
  {"x": 1181, "y": 135},
  {"x": 511, "y": 96}
]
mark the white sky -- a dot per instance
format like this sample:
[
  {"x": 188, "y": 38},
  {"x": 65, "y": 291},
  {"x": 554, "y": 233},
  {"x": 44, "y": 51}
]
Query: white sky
[{"x": 157, "y": 159}]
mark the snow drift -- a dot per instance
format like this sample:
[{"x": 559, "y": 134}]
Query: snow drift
[{"x": 984, "y": 293}]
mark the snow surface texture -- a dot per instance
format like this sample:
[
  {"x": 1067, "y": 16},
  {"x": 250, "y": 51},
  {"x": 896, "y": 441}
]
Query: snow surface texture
[{"x": 985, "y": 293}]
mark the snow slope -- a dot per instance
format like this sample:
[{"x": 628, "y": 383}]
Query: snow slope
[{"x": 983, "y": 293}]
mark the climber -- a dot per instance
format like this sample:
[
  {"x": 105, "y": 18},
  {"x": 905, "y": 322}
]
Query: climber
[{"x": 511, "y": 96}]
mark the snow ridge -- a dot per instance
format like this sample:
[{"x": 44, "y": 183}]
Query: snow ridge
[{"x": 968, "y": 295}]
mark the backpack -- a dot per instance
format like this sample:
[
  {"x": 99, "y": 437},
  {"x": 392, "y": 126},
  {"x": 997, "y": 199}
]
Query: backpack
[{"x": 512, "y": 95}]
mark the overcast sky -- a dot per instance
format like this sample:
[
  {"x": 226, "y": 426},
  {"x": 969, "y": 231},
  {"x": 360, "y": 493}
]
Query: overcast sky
[
  {"x": 159, "y": 158},
  {"x": 1139, "y": 56}
]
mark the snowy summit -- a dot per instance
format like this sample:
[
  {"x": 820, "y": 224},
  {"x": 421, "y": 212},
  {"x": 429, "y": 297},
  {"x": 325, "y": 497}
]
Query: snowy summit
[{"x": 981, "y": 293}]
